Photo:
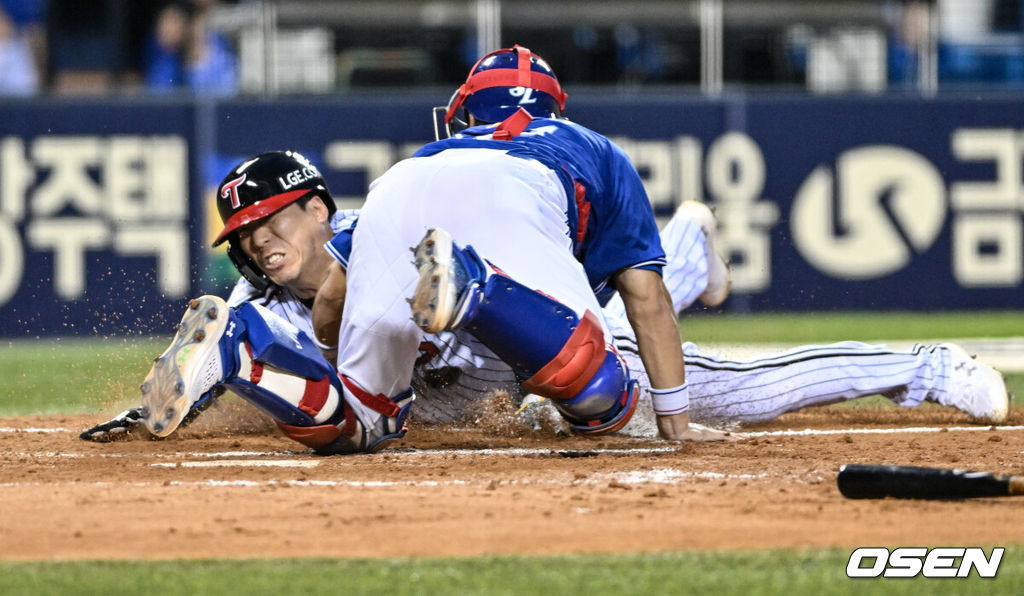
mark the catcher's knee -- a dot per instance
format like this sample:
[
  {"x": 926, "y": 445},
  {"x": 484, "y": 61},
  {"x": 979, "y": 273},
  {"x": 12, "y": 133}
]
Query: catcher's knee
[
  {"x": 564, "y": 356},
  {"x": 589, "y": 386}
]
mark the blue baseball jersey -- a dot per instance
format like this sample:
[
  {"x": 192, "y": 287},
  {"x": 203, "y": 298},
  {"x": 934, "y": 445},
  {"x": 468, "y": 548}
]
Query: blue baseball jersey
[
  {"x": 340, "y": 246},
  {"x": 610, "y": 218}
]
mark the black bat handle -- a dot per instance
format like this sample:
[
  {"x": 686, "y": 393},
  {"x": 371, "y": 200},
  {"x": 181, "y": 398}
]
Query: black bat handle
[{"x": 869, "y": 481}]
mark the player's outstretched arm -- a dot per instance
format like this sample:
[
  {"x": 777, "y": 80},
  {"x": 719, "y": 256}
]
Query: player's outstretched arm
[
  {"x": 128, "y": 424},
  {"x": 652, "y": 316},
  {"x": 327, "y": 308}
]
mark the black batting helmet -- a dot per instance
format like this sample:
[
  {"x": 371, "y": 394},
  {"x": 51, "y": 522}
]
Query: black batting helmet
[{"x": 260, "y": 187}]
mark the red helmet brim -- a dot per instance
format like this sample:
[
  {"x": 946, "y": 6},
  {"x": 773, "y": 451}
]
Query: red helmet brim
[{"x": 258, "y": 211}]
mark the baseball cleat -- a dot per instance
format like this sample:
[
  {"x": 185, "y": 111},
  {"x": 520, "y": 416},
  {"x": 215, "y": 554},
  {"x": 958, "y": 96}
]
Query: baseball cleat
[
  {"x": 976, "y": 388},
  {"x": 719, "y": 280},
  {"x": 442, "y": 278},
  {"x": 188, "y": 369}
]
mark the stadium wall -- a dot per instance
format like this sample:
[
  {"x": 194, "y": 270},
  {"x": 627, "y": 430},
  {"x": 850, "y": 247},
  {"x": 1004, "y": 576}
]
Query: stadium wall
[{"x": 825, "y": 203}]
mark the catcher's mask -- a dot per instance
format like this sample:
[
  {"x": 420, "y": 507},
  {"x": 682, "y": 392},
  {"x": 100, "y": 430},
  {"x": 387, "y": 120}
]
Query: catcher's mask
[
  {"x": 498, "y": 85},
  {"x": 260, "y": 187}
]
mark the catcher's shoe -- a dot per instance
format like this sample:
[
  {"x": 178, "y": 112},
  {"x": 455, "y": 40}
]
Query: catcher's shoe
[
  {"x": 189, "y": 369},
  {"x": 718, "y": 270},
  {"x": 975, "y": 388},
  {"x": 445, "y": 289}
]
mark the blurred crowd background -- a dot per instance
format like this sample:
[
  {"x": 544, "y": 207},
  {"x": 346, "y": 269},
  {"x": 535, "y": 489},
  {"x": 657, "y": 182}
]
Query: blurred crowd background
[{"x": 273, "y": 47}]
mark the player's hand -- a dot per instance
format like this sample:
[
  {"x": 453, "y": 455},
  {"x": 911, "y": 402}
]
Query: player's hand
[
  {"x": 118, "y": 428},
  {"x": 679, "y": 428}
]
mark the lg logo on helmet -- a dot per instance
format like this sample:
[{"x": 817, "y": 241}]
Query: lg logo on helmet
[
  {"x": 296, "y": 177},
  {"x": 911, "y": 562},
  {"x": 525, "y": 94}
]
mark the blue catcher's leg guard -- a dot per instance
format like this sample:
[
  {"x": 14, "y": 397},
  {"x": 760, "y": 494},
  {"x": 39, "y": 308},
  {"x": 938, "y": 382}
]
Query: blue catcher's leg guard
[
  {"x": 282, "y": 373},
  {"x": 256, "y": 354},
  {"x": 565, "y": 357}
]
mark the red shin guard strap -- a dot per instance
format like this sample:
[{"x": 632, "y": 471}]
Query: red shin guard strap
[
  {"x": 573, "y": 367},
  {"x": 256, "y": 373},
  {"x": 315, "y": 396},
  {"x": 378, "y": 403}
]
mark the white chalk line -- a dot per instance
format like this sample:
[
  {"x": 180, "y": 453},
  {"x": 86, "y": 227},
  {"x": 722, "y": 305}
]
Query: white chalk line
[
  {"x": 241, "y": 463},
  {"x": 878, "y": 431},
  {"x": 176, "y": 455},
  {"x": 629, "y": 478},
  {"x": 520, "y": 451},
  {"x": 772, "y": 433}
]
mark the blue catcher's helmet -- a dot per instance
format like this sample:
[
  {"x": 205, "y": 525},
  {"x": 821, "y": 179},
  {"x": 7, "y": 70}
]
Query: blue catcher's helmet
[{"x": 498, "y": 85}]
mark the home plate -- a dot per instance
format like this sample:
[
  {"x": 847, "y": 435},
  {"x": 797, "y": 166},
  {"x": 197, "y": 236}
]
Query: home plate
[{"x": 242, "y": 463}]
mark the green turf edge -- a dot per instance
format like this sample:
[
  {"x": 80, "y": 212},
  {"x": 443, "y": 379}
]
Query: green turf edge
[
  {"x": 716, "y": 572},
  {"x": 76, "y": 375}
]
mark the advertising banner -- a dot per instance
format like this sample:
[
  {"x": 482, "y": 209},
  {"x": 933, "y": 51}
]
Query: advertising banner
[
  {"x": 106, "y": 207},
  {"x": 97, "y": 228}
]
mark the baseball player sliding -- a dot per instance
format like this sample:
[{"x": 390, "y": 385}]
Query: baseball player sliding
[{"x": 277, "y": 212}]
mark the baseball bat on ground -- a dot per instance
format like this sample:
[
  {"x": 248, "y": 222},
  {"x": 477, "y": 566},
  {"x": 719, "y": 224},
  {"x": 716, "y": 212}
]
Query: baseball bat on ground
[{"x": 870, "y": 481}]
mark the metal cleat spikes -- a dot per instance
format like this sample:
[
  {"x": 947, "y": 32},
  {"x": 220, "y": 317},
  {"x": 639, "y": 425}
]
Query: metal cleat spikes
[{"x": 188, "y": 368}]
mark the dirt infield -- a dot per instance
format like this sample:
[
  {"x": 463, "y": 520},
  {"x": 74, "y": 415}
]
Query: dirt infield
[{"x": 247, "y": 492}]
